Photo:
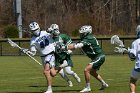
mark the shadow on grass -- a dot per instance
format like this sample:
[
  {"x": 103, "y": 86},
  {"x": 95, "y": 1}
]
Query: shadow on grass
[
  {"x": 46, "y": 86},
  {"x": 66, "y": 91},
  {"x": 56, "y": 91},
  {"x": 24, "y": 92}
]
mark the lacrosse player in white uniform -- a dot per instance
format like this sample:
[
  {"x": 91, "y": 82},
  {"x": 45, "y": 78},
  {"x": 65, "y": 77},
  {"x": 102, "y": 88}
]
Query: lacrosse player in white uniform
[
  {"x": 43, "y": 42},
  {"x": 134, "y": 54}
]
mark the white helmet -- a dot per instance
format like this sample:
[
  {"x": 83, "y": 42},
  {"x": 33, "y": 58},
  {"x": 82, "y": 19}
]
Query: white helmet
[
  {"x": 86, "y": 29},
  {"x": 54, "y": 29},
  {"x": 34, "y": 27},
  {"x": 138, "y": 31}
]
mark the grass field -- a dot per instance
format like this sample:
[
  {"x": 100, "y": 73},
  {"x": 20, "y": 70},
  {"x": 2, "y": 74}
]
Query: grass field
[{"x": 19, "y": 74}]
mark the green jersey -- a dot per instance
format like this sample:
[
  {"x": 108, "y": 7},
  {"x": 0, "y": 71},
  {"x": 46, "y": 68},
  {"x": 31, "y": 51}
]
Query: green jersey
[
  {"x": 63, "y": 38},
  {"x": 91, "y": 46},
  {"x": 60, "y": 56}
]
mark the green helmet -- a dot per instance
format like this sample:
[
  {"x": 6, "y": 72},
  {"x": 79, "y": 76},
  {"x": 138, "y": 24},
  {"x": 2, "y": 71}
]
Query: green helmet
[
  {"x": 85, "y": 30},
  {"x": 54, "y": 29}
]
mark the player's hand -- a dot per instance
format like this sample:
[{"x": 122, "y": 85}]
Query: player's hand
[
  {"x": 69, "y": 52},
  {"x": 24, "y": 50},
  {"x": 120, "y": 49}
]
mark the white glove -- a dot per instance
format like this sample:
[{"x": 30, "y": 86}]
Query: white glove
[
  {"x": 69, "y": 52},
  {"x": 120, "y": 50},
  {"x": 26, "y": 51}
]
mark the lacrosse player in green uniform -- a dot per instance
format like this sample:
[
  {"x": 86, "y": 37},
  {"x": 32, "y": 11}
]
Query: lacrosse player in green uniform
[
  {"x": 91, "y": 47},
  {"x": 61, "y": 55}
]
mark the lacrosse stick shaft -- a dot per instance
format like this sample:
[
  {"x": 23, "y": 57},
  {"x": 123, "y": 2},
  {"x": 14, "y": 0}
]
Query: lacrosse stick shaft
[
  {"x": 13, "y": 44},
  {"x": 30, "y": 56},
  {"x": 33, "y": 58}
]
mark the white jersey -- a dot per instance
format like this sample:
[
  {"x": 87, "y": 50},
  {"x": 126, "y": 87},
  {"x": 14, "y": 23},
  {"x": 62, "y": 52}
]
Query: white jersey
[
  {"x": 136, "y": 47},
  {"x": 43, "y": 43}
]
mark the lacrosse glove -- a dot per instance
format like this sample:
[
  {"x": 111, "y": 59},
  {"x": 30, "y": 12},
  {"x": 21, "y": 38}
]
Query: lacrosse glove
[
  {"x": 120, "y": 49},
  {"x": 26, "y": 51}
]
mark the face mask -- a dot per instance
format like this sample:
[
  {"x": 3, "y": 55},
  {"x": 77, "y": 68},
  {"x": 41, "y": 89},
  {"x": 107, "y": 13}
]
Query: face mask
[
  {"x": 37, "y": 32},
  {"x": 82, "y": 35}
]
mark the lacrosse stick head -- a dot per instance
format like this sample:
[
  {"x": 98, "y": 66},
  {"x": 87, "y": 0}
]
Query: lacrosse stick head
[
  {"x": 13, "y": 44},
  {"x": 116, "y": 40}
]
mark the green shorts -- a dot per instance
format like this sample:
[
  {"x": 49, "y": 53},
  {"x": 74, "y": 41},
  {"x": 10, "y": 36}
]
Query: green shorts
[
  {"x": 97, "y": 62},
  {"x": 59, "y": 61}
]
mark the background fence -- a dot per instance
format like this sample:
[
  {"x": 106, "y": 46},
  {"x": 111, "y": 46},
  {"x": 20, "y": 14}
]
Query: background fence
[{"x": 6, "y": 49}]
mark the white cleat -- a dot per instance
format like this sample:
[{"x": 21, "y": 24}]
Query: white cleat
[
  {"x": 48, "y": 92},
  {"x": 86, "y": 90},
  {"x": 104, "y": 86},
  {"x": 70, "y": 84},
  {"x": 77, "y": 78}
]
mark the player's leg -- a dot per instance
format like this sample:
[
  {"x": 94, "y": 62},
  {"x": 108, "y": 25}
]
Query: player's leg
[
  {"x": 64, "y": 64},
  {"x": 48, "y": 62},
  {"x": 132, "y": 85},
  {"x": 71, "y": 72},
  {"x": 57, "y": 69},
  {"x": 87, "y": 78},
  {"x": 96, "y": 64},
  {"x": 134, "y": 77},
  {"x": 64, "y": 76},
  {"x": 48, "y": 78},
  {"x": 99, "y": 78}
]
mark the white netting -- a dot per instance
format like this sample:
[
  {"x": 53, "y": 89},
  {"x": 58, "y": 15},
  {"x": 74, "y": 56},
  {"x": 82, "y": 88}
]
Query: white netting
[{"x": 116, "y": 40}]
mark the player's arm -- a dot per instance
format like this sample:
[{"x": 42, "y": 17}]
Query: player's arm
[
  {"x": 132, "y": 52},
  {"x": 132, "y": 55},
  {"x": 67, "y": 41},
  {"x": 75, "y": 45},
  {"x": 31, "y": 51},
  {"x": 78, "y": 45}
]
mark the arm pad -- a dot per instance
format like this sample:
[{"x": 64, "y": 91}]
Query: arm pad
[{"x": 132, "y": 54}]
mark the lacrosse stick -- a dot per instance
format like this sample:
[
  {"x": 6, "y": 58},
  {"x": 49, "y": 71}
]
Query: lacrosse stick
[
  {"x": 13, "y": 44},
  {"x": 116, "y": 40}
]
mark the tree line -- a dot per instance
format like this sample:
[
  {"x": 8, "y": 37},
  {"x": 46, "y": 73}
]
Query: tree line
[{"x": 107, "y": 17}]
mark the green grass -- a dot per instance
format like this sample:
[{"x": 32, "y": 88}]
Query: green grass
[{"x": 19, "y": 74}]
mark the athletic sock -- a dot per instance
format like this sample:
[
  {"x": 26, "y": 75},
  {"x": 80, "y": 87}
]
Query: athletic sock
[
  {"x": 103, "y": 82},
  {"x": 87, "y": 85},
  {"x": 64, "y": 76},
  {"x": 49, "y": 88}
]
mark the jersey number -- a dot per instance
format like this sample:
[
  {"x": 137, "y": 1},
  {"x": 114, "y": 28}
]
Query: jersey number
[{"x": 44, "y": 43}]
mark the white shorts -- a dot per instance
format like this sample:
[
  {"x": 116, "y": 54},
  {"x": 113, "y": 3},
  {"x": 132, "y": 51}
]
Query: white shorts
[
  {"x": 50, "y": 59},
  {"x": 135, "y": 74}
]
